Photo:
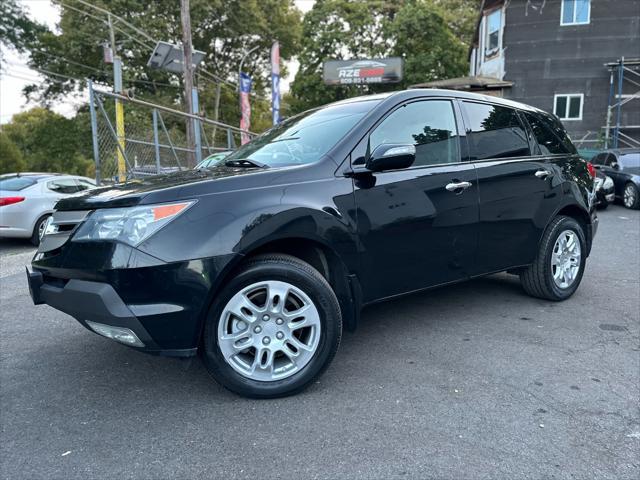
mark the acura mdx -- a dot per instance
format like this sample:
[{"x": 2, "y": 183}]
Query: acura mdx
[{"x": 259, "y": 262}]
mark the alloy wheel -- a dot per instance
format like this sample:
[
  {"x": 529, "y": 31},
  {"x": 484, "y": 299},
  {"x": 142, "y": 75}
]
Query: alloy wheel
[
  {"x": 566, "y": 259},
  {"x": 269, "y": 331},
  {"x": 629, "y": 196}
]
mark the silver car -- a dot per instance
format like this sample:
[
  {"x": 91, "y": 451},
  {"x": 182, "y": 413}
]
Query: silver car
[{"x": 27, "y": 200}]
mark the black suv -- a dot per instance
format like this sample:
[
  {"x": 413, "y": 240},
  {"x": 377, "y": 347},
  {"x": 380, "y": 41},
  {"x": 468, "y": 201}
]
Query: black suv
[{"x": 260, "y": 261}]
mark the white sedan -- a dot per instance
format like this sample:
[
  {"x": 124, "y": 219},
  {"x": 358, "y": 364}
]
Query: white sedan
[{"x": 27, "y": 200}]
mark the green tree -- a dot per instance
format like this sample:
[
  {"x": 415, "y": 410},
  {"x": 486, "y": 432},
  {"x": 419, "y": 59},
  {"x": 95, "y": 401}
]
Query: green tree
[
  {"x": 10, "y": 157},
  {"x": 430, "y": 49},
  {"x": 17, "y": 30},
  {"x": 50, "y": 142},
  {"x": 339, "y": 29},
  {"x": 425, "y": 33},
  {"x": 223, "y": 29}
]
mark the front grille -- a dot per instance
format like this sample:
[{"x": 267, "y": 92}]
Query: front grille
[{"x": 62, "y": 226}]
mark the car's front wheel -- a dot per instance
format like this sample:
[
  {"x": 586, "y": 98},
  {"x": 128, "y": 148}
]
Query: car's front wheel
[
  {"x": 557, "y": 270},
  {"x": 631, "y": 196},
  {"x": 273, "y": 328},
  {"x": 38, "y": 230}
]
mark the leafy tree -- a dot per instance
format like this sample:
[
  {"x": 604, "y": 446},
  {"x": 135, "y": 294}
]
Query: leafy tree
[
  {"x": 10, "y": 157},
  {"x": 50, "y": 142},
  {"x": 426, "y": 33},
  {"x": 430, "y": 49},
  {"x": 339, "y": 29},
  {"x": 223, "y": 29},
  {"x": 17, "y": 30}
]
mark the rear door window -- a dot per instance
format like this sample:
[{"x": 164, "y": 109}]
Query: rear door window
[
  {"x": 84, "y": 184},
  {"x": 64, "y": 186},
  {"x": 494, "y": 132},
  {"x": 430, "y": 125},
  {"x": 546, "y": 135},
  {"x": 15, "y": 184}
]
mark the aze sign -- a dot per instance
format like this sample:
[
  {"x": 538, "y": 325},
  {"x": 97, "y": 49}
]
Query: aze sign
[{"x": 357, "y": 72}]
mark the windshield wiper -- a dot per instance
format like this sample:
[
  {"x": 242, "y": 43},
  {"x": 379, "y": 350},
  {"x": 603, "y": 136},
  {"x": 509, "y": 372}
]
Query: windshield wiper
[{"x": 245, "y": 163}]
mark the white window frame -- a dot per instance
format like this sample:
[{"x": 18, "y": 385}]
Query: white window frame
[
  {"x": 491, "y": 53},
  {"x": 573, "y": 22},
  {"x": 568, "y": 96}
]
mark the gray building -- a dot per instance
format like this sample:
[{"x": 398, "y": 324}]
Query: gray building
[{"x": 564, "y": 56}]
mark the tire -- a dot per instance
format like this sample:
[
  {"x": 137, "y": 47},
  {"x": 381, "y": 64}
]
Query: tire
[
  {"x": 538, "y": 278},
  {"x": 602, "y": 205},
  {"x": 35, "y": 236},
  {"x": 631, "y": 196},
  {"x": 283, "y": 373}
]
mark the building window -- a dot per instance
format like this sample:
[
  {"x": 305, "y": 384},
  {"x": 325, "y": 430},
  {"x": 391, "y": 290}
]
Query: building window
[
  {"x": 492, "y": 41},
  {"x": 568, "y": 106},
  {"x": 575, "y": 12}
]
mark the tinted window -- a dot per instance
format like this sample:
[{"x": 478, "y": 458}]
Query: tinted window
[
  {"x": 494, "y": 132},
  {"x": 65, "y": 185},
  {"x": 429, "y": 125},
  {"x": 599, "y": 159},
  {"x": 84, "y": 184},
  {"x": 304, "y": 138},
  {"x": 545, "y": 135},
  {"x": 630, "y": 160},
  {"x": 14, "y": 184}
]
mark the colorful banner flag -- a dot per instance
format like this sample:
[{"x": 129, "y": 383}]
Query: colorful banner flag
[
  {"x": 275, "y": 82},
  {"x": 245, "y": 107}
]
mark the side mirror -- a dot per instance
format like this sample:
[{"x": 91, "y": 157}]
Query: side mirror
[
  {"x": 391, "y": 156},
  {"x": 615, "y": 165}
]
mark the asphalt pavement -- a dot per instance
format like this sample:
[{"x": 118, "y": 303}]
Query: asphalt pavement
[{"x": 472, "y": 381}]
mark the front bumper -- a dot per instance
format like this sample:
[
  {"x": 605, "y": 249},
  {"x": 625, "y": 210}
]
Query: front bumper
[{"x": 98, "y": 302}]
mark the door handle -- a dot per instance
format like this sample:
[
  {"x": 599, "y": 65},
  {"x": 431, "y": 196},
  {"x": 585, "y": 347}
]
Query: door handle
[
  {"x": 452, "y": 187},
  {"x": 542, "y": 173}
]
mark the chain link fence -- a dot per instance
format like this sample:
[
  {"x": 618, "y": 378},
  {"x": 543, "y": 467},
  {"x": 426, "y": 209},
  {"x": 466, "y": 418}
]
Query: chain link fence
[{"x": 154, "y": 139}]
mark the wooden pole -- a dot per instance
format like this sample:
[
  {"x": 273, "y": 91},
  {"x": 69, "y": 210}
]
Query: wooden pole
[{"x": 185, "y": 17}]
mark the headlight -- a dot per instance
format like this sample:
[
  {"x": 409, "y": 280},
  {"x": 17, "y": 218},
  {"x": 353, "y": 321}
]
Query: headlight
[
  {"x": 608, "y": 183},
  {"x": 597, "y": 183},
  {"x": 128, "y": 225}
]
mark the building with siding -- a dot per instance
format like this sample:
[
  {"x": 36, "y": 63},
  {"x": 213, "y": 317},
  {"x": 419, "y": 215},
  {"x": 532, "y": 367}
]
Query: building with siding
[{"x": 563, "y": 56}]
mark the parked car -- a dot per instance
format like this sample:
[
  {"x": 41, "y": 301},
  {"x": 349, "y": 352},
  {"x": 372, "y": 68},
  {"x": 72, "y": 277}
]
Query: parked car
[
  {"x": 605, "y": 190},
  {"x": 260, "y": 262},
  {"x": 27, "y": 200},
  {"x": 213, "y": 159},
  {"x": 623, "y": 166}
]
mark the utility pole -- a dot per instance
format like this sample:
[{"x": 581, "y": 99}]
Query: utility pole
[
  {"x": 117, "y": 87},
  {"x": 185, "y": 17}
]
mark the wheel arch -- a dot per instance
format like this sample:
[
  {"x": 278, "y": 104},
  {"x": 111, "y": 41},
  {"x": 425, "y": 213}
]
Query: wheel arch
[
  {"x": 312, "y": 251},
  {"x": 583, "y": 218}
]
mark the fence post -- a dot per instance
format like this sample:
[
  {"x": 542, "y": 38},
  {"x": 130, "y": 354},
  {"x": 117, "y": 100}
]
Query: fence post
[
  {"x": 230, "y": 141},
  {"x": 155, "y": 139},
  {"x": 196, "y": 124},
  {"x": 94, "y": 131}
]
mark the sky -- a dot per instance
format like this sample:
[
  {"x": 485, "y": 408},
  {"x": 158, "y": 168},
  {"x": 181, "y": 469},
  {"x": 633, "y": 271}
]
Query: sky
[{"x": 15, "y": 75}]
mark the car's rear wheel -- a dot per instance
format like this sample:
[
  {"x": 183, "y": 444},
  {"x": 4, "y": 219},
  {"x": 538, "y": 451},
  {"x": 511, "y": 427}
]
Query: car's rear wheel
[
  {"x": 273, "y": 328},
  {"x": 557, "y": 270},
  {"x": 38, "y": 230},
  {"x": 631, "y": 196}
]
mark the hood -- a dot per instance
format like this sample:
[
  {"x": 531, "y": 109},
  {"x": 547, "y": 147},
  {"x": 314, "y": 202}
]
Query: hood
[{"x": 135, "y": 191}]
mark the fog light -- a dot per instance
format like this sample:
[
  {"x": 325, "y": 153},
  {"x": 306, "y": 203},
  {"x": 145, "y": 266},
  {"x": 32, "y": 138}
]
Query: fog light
[{"x": 119, "y": 334}]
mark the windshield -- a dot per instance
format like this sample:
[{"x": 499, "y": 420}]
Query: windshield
[
  {"x": 213, "y": 160},
  {"x": 304, "y": 138},
  {"x": 15, "y": 184}
]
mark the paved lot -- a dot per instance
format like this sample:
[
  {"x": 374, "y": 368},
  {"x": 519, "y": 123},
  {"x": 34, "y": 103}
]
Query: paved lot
[{"x": 472, "y": 381}]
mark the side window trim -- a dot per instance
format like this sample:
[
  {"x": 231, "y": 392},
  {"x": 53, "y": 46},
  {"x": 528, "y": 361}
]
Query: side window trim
[
  {"x": 467, "y": 123},
  {"x": 366, "y": 137}
]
